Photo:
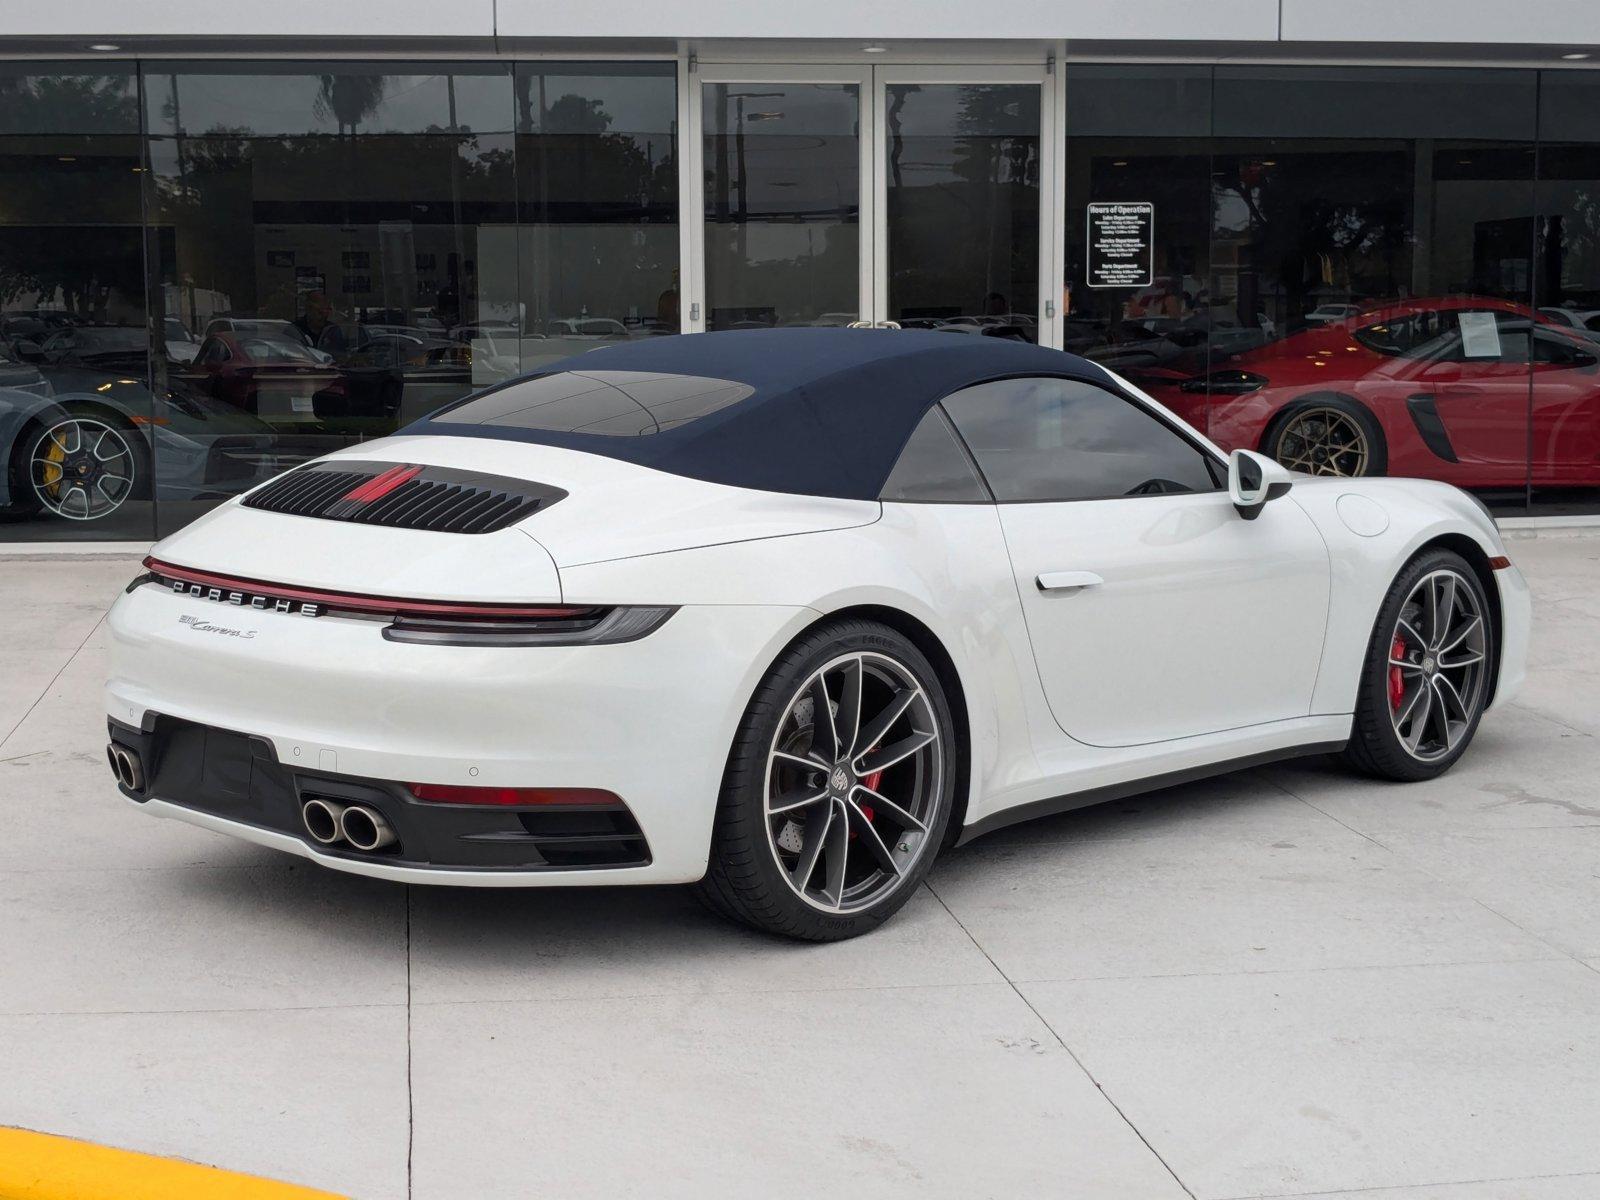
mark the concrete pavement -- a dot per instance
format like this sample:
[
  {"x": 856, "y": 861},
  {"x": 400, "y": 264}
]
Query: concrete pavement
[{"x": 1284, "y": 982}]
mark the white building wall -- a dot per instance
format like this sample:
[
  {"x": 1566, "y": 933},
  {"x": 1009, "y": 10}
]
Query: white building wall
[
  {"x": 1553, "y": 23},
  {"x": 1484, "y": 22}
]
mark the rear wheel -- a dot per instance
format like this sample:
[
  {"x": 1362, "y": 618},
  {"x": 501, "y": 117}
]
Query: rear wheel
[
  {"x": 1425, "y": 681},
  {"x": 838, "y": 787}
]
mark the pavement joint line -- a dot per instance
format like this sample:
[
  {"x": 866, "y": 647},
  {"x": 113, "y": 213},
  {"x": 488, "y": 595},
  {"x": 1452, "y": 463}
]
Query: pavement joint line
[
  {"x": 62, "y": 670},
  {"x": 251, "y": 1009},
  {"x": 411, "y": 1105},
  {"x": 1062, "y": 1042},
  {"x": 1448, "y": 884},
  {"x": 1379, "y": 1188},
  {"x": 46, "y": 1166},
  {"x": 713, "y": 993},
  {"x": 1544, "y": 716},
  {"x": 1555, "y": 956}
]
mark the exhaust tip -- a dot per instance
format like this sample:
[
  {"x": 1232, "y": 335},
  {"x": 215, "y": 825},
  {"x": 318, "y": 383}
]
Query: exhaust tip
[
  {"x": 125, "y": 766},
  {"x": 322, "y": 821},
  {"x": 365, "y": 828}
]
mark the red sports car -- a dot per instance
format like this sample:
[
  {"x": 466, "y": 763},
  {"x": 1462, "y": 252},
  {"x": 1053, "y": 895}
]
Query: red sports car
[{"x": 1440, "y": 388}]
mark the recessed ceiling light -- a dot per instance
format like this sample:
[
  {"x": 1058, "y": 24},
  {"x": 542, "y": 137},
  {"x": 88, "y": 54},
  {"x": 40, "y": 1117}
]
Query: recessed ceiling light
[
  {"x": 874, "y": 48},
  {"x": 1576, "y": 55},
  {"x": 104, "y": 46}
]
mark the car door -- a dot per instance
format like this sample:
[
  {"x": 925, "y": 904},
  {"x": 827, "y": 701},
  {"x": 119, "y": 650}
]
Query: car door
[
  {"x": 1154, "y": 610},
  {"x": 1565, "y": 411},
  {"x": 1480, "y": 391}
]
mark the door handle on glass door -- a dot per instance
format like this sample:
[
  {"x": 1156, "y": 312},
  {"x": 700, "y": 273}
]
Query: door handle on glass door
[{"x": 1067, "y": 581}]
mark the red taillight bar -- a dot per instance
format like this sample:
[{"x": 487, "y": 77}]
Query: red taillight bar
[
  {"x": 383, "y": 606},
  {"x": 449, "y": 793}
]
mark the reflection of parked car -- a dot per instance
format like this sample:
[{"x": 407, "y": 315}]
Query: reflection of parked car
[
  {"x": 108, "y": 346},
  {"x": 1584, "y": 321},
  {"x": 181, "y": 345},
  {"x": 262, "y": 326},
  {"x": 94, "y": 440},
  {"x": 1325, "y": 314},
  {"x": 1431, "y": 387},
  {"x": 276, "y": 378},
  {"x": 586, "y": 327}
]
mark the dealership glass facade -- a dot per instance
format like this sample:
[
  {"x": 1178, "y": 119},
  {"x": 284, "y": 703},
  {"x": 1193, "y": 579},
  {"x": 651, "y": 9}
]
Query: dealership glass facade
[{"x": 212, "y": 271}]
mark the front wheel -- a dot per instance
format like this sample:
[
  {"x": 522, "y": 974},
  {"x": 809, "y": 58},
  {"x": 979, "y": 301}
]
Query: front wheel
[
  {"x": 838, "y": 788},
  {"x": 1425, "y": 681},
  {"x": 81, "y": 464},
  {"x": 1329, "y": 435}
]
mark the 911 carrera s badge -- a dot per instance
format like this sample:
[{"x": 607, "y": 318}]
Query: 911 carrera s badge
[
  {"x": 282, "y": 604},
  {"x": 201, "y": 625}
]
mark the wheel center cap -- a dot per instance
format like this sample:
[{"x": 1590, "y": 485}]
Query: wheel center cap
[
  {"x": 1428, "y": 666},
  {"x": 840, "y": 780}
]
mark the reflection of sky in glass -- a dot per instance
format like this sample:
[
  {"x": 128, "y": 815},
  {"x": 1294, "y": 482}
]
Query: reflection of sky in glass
[{"x": 271, "y": 104}]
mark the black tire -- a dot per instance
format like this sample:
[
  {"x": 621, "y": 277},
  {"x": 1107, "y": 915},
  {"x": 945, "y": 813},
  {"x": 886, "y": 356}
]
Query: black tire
[
  {"x": 745, "y": 880},
  {"x": 1280, "y": 444},
  {"x": 1376, "y": 747}
]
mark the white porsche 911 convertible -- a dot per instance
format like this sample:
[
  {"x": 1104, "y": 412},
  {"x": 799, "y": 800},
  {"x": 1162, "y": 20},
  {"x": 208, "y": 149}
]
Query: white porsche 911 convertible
[{"x": 781, "y": 614}]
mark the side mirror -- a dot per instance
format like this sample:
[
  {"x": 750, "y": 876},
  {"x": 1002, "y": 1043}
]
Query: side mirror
[{"x": 1254, "y": 479}]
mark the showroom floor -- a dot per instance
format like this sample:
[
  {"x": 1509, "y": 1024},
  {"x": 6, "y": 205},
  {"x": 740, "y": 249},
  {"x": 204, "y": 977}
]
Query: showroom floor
[{"x": 1285, "y": 982}]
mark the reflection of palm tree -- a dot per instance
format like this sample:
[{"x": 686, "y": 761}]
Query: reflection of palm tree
[{"x": 349, "y": 99}]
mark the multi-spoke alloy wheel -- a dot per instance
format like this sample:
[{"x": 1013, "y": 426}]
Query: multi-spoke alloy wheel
[
  {"x": 82, "y": 468},
  {"x": 1324, "y": 440},
  {"x": 852, "y": 778},
  {"x": 1427, "y": 677},
  {"x": 839, "y": 786},
  {"x": 1436, "y": 665}
]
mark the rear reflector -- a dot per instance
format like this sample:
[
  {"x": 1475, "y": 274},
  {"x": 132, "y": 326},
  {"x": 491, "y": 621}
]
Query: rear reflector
[
  {"x": 446, "y": 793},
  {"x": 1499, "y": 562}
]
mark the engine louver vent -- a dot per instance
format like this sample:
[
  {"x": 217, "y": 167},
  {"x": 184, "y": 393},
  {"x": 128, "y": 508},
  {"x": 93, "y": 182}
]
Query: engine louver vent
[{"x": 403, "y": 496}]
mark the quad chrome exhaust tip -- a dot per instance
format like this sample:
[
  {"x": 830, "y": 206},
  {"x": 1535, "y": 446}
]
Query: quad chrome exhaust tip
[
  {"x": 366, "y": 828},
  {"x": 125, "y": 765},
  {"x": 321, "y": 819},
  {"x": 330, "y": 822}
]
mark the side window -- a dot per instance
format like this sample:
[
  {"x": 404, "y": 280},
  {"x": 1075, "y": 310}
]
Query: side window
[
  {"x": 933, "y": 468},
  {"x": 1059, "y": 439}
]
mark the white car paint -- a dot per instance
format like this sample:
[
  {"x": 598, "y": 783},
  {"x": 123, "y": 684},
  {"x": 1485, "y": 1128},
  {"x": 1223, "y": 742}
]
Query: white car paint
[{"x": 1210, "y": 640}]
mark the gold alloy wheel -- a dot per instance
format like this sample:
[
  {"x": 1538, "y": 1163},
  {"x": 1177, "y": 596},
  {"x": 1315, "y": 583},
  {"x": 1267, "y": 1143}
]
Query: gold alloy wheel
[{"x": 1324, "y": 441}]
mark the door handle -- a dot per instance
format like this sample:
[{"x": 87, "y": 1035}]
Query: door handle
[{"x": 1067, "y": 581}]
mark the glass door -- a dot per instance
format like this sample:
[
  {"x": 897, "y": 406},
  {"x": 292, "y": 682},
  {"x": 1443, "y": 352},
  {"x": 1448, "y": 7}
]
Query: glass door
[
  {"x": 924, "y": 197},
  {"x": 965, "y": 192},
  {"x": 785, "y": 238}
]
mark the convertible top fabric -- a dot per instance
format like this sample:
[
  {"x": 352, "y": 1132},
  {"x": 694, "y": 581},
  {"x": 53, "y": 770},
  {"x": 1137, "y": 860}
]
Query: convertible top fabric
[{"x": 828, "y": 415}]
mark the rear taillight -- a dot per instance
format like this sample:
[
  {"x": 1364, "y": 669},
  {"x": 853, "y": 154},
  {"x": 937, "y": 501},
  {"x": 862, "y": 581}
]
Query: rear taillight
[
  {"x": 512, "y": 797},
  {"x": 425, "y": 622},
  {"x": 585, "y": 627}
]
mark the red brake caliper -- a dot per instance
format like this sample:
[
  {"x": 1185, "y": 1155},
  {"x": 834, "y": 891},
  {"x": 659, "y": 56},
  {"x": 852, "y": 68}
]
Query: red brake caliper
[
  {"x": 869, "y": 781},
  {"x": 1397, "y": 681}
]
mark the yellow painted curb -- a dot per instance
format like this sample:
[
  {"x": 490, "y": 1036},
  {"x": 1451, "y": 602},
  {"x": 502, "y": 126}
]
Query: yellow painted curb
[{"x": 42, "y": 1166}]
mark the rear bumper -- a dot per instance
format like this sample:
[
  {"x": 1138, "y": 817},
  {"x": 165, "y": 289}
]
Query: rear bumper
[{"x": 327, "y": 702}]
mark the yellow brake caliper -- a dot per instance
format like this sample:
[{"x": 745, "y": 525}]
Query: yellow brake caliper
[{"x": 53, "y": 471}]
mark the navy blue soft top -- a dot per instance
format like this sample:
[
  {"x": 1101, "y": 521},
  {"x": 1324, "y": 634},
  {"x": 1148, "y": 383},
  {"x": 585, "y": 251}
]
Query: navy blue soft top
[{"x": 821, "y": 412}]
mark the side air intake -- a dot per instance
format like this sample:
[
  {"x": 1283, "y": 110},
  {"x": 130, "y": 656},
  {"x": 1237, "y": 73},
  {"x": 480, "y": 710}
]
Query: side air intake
[{"x": 404, "y": 496}]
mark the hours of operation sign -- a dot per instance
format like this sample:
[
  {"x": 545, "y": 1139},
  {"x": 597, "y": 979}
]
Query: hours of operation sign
[{"x": 1122, "y": 244}]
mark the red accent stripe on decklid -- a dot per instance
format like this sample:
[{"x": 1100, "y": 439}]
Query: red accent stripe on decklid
[{"x": 380, "y": 486}]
